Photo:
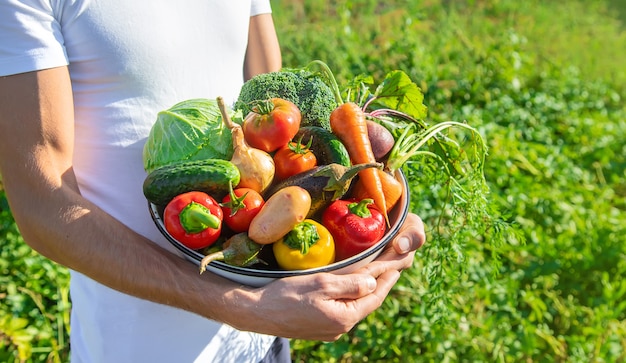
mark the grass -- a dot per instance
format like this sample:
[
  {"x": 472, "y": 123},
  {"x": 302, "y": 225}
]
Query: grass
[{"x": 544, "y": 83}]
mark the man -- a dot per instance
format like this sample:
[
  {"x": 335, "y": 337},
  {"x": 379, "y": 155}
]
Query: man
[{"x": 81, "y": 83}]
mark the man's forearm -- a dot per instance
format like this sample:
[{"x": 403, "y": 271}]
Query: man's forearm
[
  {"x": 70, "y": 230},
  {"x": 36, "y": 151}
]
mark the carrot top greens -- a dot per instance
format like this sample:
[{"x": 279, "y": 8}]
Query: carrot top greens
[{"x": 454, "y": 150}]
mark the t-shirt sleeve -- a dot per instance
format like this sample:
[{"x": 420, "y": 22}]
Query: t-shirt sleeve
[
  {"x": 30, "y": 37},
  {"x": 260, "y": 7}
]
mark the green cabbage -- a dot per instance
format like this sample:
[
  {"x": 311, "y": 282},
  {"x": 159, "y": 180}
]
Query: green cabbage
[{"x": 190, "y": 130}]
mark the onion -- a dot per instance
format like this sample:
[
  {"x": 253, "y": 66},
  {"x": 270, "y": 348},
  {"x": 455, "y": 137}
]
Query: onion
[{"x": 255, "y": 166}]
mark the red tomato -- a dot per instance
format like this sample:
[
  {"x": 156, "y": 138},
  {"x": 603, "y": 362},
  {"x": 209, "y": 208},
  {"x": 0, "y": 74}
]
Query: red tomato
[
  {"x": 271, "y": 124},
  {"x": 292, "y": 159},
  {"x": 240, "y": 207}
]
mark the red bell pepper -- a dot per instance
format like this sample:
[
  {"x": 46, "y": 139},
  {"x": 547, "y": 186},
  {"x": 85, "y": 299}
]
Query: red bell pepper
[
  {"x": 354, "y": 225},
  {"x": 193, "y": 219}
]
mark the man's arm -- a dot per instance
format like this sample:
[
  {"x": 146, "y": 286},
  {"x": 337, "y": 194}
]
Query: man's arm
[
  {"x": 263, "y": 52},
  {"x": 36, "y": 147}
]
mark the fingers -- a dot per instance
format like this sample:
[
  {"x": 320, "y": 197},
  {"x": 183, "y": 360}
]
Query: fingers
[
  {"x": 401, "y": 251},
  {"x": 384, "y": 284},
  {"x": 411, "y": 236},
  {"x": 356, "y": 309},
  {"x": 364, "y": 290},
  {"x": 329, "y": 304},
  {"x": 345, "y": 287}
]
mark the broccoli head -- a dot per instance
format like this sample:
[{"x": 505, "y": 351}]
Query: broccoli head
[{"x": 306, "y": 90}]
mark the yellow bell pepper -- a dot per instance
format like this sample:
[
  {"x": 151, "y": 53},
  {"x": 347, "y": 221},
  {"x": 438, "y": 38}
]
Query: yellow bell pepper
[{"x": 308, "y": 245}]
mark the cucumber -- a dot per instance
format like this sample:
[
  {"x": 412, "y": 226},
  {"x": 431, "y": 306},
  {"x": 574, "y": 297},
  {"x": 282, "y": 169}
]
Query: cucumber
[
  {"x": 326, "y": 147},
  {"x": 212, "y": 176}
]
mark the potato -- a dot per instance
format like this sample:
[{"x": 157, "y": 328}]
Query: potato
[
  {"x": 280, "y": 213},
  {"x": 381, "y": 139}
]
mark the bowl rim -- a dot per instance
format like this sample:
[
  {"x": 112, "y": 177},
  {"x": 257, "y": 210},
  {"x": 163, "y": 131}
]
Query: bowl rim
[{"x": 389, "y": 235}]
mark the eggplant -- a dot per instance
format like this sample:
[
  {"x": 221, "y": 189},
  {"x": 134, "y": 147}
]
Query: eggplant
[{"x": 325, "y": 183}]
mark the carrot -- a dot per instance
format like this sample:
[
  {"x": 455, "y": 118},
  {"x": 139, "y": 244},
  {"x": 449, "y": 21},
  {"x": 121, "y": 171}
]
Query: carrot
[
  {"x": 348, "y": 123},
  {"x": 392, "y": 189}
]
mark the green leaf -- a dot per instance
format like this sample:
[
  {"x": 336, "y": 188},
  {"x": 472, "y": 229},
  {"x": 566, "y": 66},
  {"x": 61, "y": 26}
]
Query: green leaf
[{"x": 399, "y": 92}]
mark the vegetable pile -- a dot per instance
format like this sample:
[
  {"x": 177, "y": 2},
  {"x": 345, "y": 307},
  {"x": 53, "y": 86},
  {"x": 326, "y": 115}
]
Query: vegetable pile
[{"x": 308, "y": 168}]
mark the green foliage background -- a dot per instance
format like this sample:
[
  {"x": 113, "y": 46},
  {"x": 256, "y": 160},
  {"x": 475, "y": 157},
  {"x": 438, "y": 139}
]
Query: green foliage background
[{"x": 544, "y": 82}]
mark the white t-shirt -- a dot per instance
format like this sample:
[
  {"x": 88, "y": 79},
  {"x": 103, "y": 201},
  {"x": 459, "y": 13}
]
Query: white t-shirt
[{"x": 129, "y": 59}]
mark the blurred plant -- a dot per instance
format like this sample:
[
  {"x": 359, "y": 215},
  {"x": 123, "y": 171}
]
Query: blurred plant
[{"x": 35, "y": 309}]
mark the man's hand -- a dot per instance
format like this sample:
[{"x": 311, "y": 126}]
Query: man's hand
[{"x": 325, "y": 306}]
